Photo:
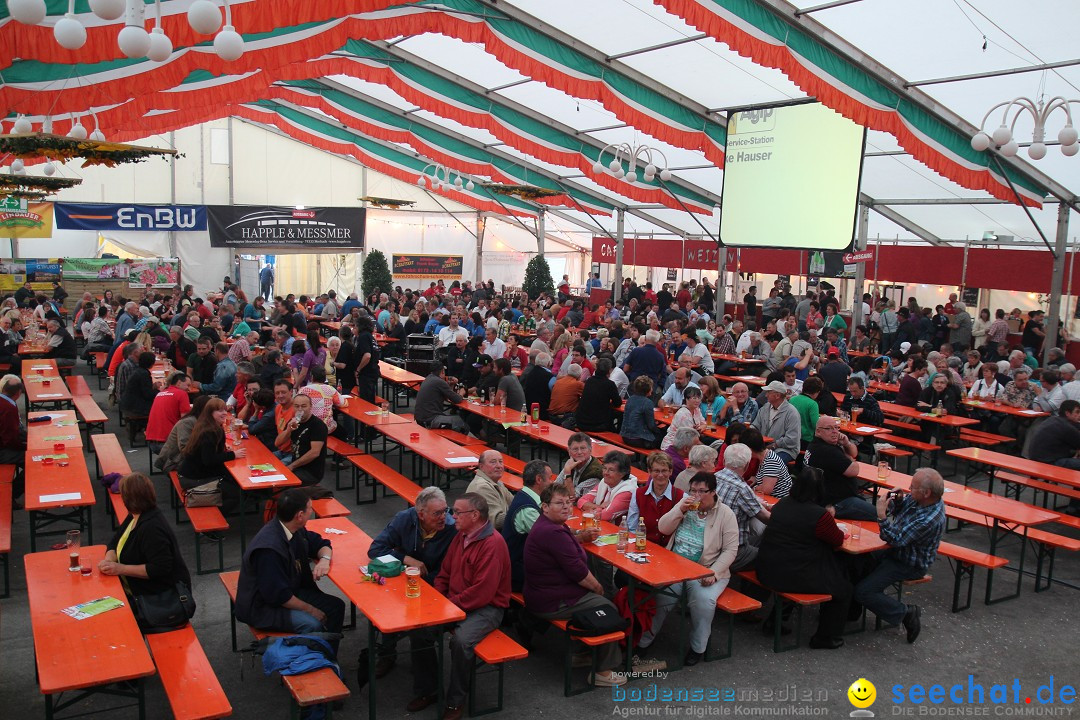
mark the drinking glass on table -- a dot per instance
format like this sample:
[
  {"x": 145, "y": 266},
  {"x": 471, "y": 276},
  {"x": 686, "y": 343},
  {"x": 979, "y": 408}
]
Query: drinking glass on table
[
  {"x": 855, "y": 529},
  {"x": 883, "y": 470},
  {"x": 412, "y": 582},
  {"x": 385, "y": 405},
  {"x": 73, "y": 541}
]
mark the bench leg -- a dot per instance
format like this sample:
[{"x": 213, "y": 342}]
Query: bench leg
[
  {"x": 7, "y": 575},
  {"x": 1042, "y": 553},
  {"x": 198, "y": 555},
  {"x": 473, "y": 674},
  {"x": 710, "y": 655},
  {"x": 960, "y": 571}
]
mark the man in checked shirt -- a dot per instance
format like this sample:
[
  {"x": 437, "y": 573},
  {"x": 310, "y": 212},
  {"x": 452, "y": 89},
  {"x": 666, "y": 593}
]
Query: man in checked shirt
[{"x": 912, "y": 524}]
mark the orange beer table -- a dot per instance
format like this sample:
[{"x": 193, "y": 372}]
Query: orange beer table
[
  {"x": 252, "y": 481},
  {"x": 58, "y": 493},
  {"x": 82, "y": 655},
  {"x": 433, "y": 448},
  {"x": 385, "y": 606},
  {"x": 995, "y": 460},
  {"x": 1010, "y": 517},
  {"x": 664, "y": 568},
  {"x": 62, "y": 427}
]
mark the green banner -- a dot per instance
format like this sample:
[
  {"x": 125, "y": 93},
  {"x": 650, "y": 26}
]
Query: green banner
[{"x": 95, "y": 269}]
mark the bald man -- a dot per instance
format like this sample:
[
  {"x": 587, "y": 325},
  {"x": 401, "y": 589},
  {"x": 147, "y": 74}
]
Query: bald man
[
  {"x": 834, "y": 454},
  {"x": 487, "y": 484}
]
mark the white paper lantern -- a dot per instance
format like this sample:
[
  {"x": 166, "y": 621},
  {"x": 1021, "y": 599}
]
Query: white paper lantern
[
  {"x": 17, "y": 166},
  {"x": 1010, "y": 149},
  {"x": 28, "y": 12},
  {"x": 1070, "y": 150},
  {"x": 97, "y": 135},
  {"x": 161, "y": 46},
  {"x": 49, "y": 169},
  {"x": 1037, "y": 151},
  {"x": 78, "y": 131},
  {"x": 1002, "y": 135},
  {"x": 228, "y": 44},
  {"x": 1068, "y": 135},
  {"x": 980, "y": 142},
  {"x": 69, "y": 32},
  {"x": 108, "y": 9},
  {"x": 22, "y": 126},
  {"x": 134, "y": 41},
  {"x": 204, "y": 17}
]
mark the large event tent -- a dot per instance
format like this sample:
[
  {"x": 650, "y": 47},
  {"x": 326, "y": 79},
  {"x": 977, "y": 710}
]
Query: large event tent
[{"x": 530, "y": 93}]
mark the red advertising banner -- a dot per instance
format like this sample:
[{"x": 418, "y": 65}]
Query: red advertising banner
[{"x": 428, "y": 266}]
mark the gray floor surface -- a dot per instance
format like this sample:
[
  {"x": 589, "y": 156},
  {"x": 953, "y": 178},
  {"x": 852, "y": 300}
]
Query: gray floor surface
[{"x": 1030, "y": 639}]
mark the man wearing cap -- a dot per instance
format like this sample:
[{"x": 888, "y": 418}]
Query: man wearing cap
[
  {"x": 834, "y": 373},
  {"x": 779, "y": 420},
  {"x": 487, "y": 382}
]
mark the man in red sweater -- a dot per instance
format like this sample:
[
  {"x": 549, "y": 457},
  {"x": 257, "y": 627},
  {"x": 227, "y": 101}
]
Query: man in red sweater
[
  {"x": 169, "y": 406},
  {"x": 475, "y": 576},
  {"x": 13, "y": 439}
]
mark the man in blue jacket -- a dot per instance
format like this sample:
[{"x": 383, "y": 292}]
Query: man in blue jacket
[
  {"x": 418, "y": 537},
  {"x": 277, "y": 586}
]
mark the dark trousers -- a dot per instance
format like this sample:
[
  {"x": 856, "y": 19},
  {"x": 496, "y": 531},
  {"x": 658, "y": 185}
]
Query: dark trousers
[
  {"x": 870, "y": 591},
  {"x": 17, "y": 458},
  {"x": 333, "y": 607},
  {"x": 264, "y": 290},
  {"x": 307, "y": 478},
  {"x": 367, "y": 388},
  {"x": 467, "y": 635}
]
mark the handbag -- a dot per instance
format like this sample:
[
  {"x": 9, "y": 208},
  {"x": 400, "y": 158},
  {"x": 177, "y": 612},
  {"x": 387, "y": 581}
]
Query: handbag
[
  {"x": 590, "y": 622},
  {"x": 165, "y": 610},
  {"x": 205, "y": 495}
]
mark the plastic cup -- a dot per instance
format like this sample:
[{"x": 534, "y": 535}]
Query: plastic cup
[
  {"x": 58, "y": 447},
  {"x": 86, "y": 570},
  {"x": 883, "y": 470},
  {"x": 856, "y": 531},
  {"x": 412, "y": 582},
  {"x": 74, "y": 564},
  {"x": 46, "y": 460}
]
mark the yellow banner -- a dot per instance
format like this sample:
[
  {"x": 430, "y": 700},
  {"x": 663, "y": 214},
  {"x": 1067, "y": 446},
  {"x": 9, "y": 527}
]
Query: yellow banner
[{"x": 20, "y": 219}]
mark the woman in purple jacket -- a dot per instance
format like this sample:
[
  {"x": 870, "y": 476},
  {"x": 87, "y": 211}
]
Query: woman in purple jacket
[{"x": 557, "y": 578}]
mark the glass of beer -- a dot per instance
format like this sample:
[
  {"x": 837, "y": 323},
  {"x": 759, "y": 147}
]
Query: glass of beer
[
  {"x": 883, "y": 470},
  {"x": 587, "y": 520},
  {"x": 74, "y": 541},
  {"x": 412, "y": 582}
]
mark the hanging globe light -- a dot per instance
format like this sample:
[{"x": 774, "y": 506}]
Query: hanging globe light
[
  {"x": 134, "y": 41},
  {"x": 22, "y": 126},
  {"x": 69, "y": 32},
  {"x": 108, "y": 9},
  {"x": 28, "y": 12},
  {"x": 228, "y": 44},
  {"x": 161, "y": 46},
  {"x": 49, "y": 169},
  {"x": 97, "y": 136},
  {"x": 78, "y": 131},
  {"x": 17, "y": 166},
  {"x": 204, "y": 17}
]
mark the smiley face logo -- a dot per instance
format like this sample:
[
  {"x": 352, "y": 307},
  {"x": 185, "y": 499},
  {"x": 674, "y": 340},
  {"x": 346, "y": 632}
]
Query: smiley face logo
[{"x": 862, "y": 693}]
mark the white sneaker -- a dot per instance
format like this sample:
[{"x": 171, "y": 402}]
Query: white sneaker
[{"x": 611, "y": 679}]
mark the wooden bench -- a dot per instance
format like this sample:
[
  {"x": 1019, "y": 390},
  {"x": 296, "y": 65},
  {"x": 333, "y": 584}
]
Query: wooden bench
[
  {"x": 732, "y": 602},
  {"x": 313, "y": 688},
  {"x": 317, "y": 687},
  {"x": 190, "y": 683},
  {"x": 896, "y": 454},
  {"x": 203, "y": 520},
  {"x": 495, "y": 651},
  {"x": 381, "y": 473},
  {"x": 917, "y": 446},
  {"x": 615, "y": 439},
  {"x": 6, "y": 490},
  {"x": 1063, "y": 519},
  {"x": 900, "y": 425},
  {"x": 342, "y": 450},
  {"x": 110, "y": 458},
  {"x": 454, "y": 436},
  {"x": 92, "y": 415},
  {"x": 986, "y": 436},
  {"x": 77, "y": 385},
  {"x": 100, "y": 369},
  {"x": 799, "y": 600},
  {"x": 1046, "y": 544},
  {"x": 329, "y": 507},
  {"x": 590, "y": 642},
  {"x": 964, "y": 561},
  {"x": 1038, "y": 486}
]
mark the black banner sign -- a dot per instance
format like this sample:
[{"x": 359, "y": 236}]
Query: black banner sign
[
  {"x": 265, "y": 226},
  {"x": 428, "y": 266}
]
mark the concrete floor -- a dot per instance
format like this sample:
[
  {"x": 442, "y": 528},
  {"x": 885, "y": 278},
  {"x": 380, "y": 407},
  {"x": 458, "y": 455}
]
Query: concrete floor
[{"x": 1028, "y": 639}]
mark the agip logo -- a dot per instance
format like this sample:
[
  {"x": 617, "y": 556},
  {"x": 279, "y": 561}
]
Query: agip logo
[{"x": 752, "y": 121}]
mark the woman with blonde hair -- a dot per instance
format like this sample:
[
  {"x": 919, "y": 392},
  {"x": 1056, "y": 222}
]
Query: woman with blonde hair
[{"x": 712, "y": 400}]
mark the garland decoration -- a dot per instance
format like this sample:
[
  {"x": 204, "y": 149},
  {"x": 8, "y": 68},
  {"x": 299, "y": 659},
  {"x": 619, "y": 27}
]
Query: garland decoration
[
  {"x": 60, "y": 147},
  {"x": 19, "y": 185},
  {"x": 391, "y": 203},
  {"x": 525, "y": 192}
]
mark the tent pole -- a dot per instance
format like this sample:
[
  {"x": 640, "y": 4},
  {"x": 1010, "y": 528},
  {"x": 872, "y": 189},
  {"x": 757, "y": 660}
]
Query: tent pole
[
  {"x": 540, "y": 230},
  {"x": 481, "y": 225},
  {"x": 860, "y": 269},
  {"x": 172, "y": 191},
  {"x": 620, "y": 217},
  {"x": 1057, "y": 280},
  {"x": 232, "y": 189}
]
